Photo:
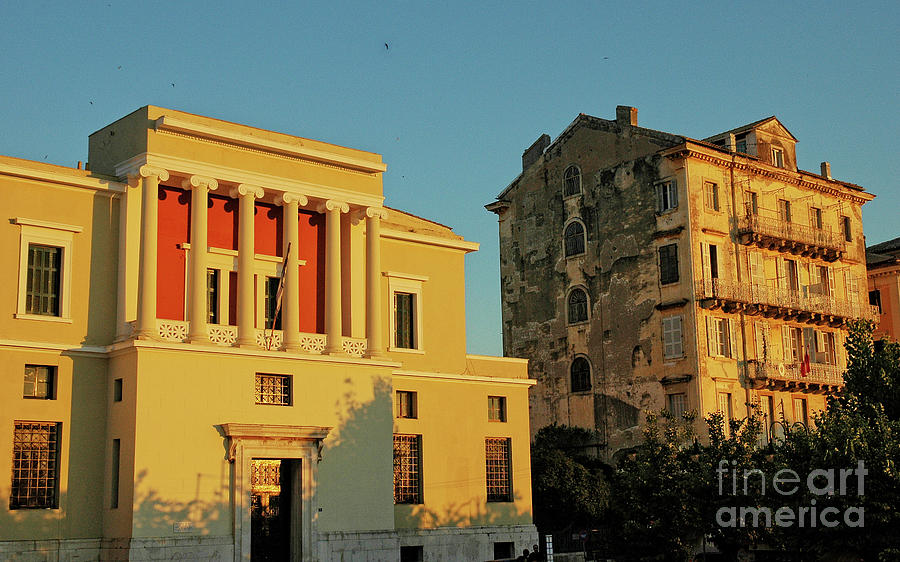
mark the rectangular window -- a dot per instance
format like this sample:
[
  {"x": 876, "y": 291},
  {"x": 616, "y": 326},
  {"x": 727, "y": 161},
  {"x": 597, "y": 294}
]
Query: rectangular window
[
  {"x": 212, "y": 296},
  {"x": 828, "y": 348},
  {"x": 114, "y": 475},
  {"x": 761, "y": 335},
  {"x": 498, "y": 469},
  {"x": 497, "y": 408},
  {"x": 677, "y": 404},
  {"x": 751, "y": 201},
  {"x": 720, "y": 337},
  {"x": 407, "y": 406},
  {"x": 784, "y": 210},
  {"x": 273, "y": 389},
  {"x": 412, "y": 554},
  {"x": 405, "y": 320},
  {"x": 815, "y": 218},
  {"x": 42, "y": 286},
  {"x": 504, "y": 550},
  {"x": 875, "y": 299},
  {"x": 272, "y": 284},
  {"x": 117, "y": 390},
  {"x": 39, "y": 382},
  {"x": 725, "y": 405},
  {"x": 709, "y": 254},
  {"x": 800, "y": 412},
  {"x": 848, "y": 233},
  {"x": 667, "y": 196},
  {"x": 408, "y": 469},
  {"x": 778, "y": 158},
  {"x": 668, "y": 264},
  {"x": 791, "y": 275},
  {"x": 792, "y": 343},
  {"x": 35, "y": 473},
  {"x": 672, "y": 343},
  {"x": 740, "y": 145},
  {"x": 711, "y": 191}
]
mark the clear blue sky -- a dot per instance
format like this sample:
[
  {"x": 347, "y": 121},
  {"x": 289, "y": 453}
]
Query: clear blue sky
[{"x": 463, "y": 89}]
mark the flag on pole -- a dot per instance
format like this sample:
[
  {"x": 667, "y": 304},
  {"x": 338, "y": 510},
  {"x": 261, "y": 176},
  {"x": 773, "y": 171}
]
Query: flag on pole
[{"x": 278, "y": 297}]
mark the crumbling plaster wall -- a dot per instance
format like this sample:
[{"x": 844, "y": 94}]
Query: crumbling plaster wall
[{"x": 619, "y": 166}]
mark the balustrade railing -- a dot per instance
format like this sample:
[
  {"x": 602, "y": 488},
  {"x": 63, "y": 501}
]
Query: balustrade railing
[
  {"x": 804, "y": 301},
  {"x": 818, "y": 372},
  {"x": 784, "y": 230}
]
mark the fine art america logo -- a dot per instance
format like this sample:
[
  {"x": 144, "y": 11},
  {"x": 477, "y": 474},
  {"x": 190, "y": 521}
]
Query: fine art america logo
[{"x": 787, "y": 483}]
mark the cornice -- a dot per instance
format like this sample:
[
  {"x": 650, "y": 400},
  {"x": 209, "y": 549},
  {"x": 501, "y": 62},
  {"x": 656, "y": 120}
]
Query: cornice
[
  {"x": 764, "y": 170},
  {"x": 465, "y": 378},
  {"x": 189, "y": 167},
  {"x": 47, "y": 224},
  {"x": 168, "y": 123},
  {"x": 463, "y": 245},
  {"x": 61, "y": 177}
]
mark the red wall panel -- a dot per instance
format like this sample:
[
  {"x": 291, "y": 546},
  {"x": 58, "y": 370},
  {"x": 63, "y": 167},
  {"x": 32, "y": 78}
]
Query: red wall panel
[
  {"x": 312, "y": 275},
  {"x": 174, "y": 212},
  {"x": 269, "y": 231},
  {"x": 223, "y": 222}
]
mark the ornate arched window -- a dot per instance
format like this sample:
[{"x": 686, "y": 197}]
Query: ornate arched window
[
  {"x": 578, "y": 306},
  {"x": 571, "y": 181},
  {"x": 574, "y": 237},
  {"x": 581, "y": 375}
]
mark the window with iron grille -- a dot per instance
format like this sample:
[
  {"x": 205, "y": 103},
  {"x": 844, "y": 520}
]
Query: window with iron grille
[
  {"x": 35, "y": 471},
  {"x": 407, "y": 468},
  {"x": 39, "y": 382},
  {"x": 497, "y": 469},
  {"x": 497, "y": 408},
  {"x": 407, "y": 406},
  {"x": 42, "y": 283},
  {"x": 405, "y": 320},
  {"x": 273, "y": 389},
  {"x": 668, "y": 264},
  {"x": 574, "y": 239},
  {"x": 581, "y": 375},
  {"x": 578, "y": 306},
  {"x": 572, "y": 180}
]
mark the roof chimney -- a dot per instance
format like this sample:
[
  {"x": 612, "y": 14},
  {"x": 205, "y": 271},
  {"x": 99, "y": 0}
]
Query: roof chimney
[
  {"x": 626, "y": 115},
  {"x": 826, "y": 170}
]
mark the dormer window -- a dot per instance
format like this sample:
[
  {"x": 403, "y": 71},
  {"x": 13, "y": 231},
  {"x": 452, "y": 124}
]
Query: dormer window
[
  {"x": 778, "y": 158},
  {"x": 740, "y": 145}
]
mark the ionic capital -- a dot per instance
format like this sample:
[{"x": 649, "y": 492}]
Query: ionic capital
[
  {"x": 376, "y": 212},
  {"x": 287, "y": 198},
  {"x": 200, "y": 181},
  {"x": 244, "y": 189},
  {"x": 332, "y": 205},
  {"x": 147, "y": 171}
]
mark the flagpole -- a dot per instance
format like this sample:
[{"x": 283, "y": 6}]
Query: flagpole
[{"x": 279, "y": 295}]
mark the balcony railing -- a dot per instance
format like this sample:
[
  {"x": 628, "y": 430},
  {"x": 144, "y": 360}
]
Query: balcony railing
[
  {"x": 807, "y": 305},
  {"x": 774, "y": 373},
  {"x": 783, "y": 235},
  {"x": 177, "y": 331}
]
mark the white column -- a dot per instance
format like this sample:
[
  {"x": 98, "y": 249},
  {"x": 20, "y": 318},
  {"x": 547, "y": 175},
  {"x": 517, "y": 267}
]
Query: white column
[
  {"x": 334, "y": 337},
  {"x": 373, "y": 281},
  {"x": 290, "y": 307},
  {"x": 246, "y": 310},
  {"x": 200, "y": 187},
  {"x": 150, "y": 177}
]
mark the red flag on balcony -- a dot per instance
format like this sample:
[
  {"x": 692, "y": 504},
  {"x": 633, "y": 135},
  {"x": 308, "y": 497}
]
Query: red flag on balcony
[{"x": 804, "y": 367}]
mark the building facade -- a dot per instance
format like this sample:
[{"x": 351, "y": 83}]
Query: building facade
[
  {"x": 643, "y": 270},
  {"x": 217, "y": 343},
  {"x": 883, "y": 261}
]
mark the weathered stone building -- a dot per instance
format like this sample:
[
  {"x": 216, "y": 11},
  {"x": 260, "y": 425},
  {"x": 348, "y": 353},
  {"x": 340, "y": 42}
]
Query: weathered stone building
[
  {"x": 644, "y": 270},
  {"x": 883, "y": 262}
]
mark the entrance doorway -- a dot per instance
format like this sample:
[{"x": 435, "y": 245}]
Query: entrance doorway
[{"x": 271, "y": 493}]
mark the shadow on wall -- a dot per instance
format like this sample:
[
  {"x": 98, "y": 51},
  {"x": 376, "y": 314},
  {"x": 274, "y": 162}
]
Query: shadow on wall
[
  {"x": 101, "y": 299},
  {"x": 158, "y": 516},
  {"x": 470, "y": 513}
]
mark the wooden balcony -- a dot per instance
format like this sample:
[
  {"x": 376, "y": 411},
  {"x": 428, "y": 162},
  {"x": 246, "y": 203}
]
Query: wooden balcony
[
  {"x": 772, "y": 375},
  {"x": 783, "y": 236},
  {"x": 773, "y": 302}
]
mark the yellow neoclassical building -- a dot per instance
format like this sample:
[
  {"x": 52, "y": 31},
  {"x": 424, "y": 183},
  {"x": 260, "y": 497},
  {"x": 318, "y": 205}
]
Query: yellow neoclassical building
[{"x": 218, "y": 343}]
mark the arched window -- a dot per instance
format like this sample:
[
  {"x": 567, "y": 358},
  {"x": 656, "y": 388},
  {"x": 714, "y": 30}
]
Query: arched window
[
  {"x": 571, "y": 181},
  {"x": 574, "y": 237},
  {"x": 578, "y": 306},
  {"x": 581, "y": 375}
]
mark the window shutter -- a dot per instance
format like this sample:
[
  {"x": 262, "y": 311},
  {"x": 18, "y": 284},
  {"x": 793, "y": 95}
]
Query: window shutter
[
  {"x": 660, "y": 188},
  {"x": 704, "y": 257},
  {"x": 711, "y": 346},
  {"x": 732, "y": 344},
  {"x": 830, "y": 272},
  {"x": 676, "y": 334},
  {"x": 781, "y": 281},
  {"x": 673, "y": 194},
  {"x": 786, "y": 354}
]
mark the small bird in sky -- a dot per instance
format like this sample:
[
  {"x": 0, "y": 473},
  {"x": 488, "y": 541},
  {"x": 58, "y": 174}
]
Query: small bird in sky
[
  {"x": 92, "y": 103},
  {"x": 386, "y": 47},
  {"x": 173, "y": 84},
  {"x": 120, "y": 67}
]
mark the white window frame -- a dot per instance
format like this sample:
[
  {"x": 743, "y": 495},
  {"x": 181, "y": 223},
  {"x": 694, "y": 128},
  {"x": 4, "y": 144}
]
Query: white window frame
[
  {"x": 778, "y": 157},
  {"x": 720, "y": 337},
  {"x": 669, "y": 325},
  {"x": 666, "y": 196},
  {"x": 48, "y": 234},
  {"x": 413, "y": 284},
  {"x": 678, "y": 399}
]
